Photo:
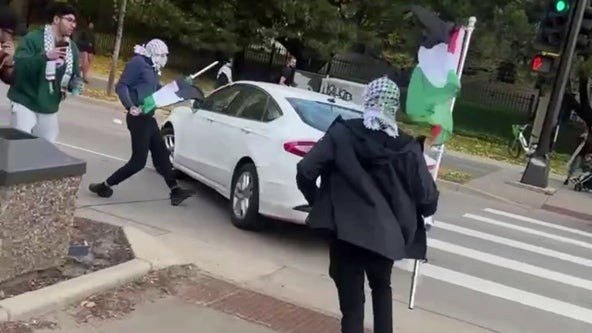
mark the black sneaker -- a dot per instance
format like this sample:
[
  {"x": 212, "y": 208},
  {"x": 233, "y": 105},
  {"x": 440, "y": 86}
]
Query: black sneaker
[
  {"x": 178, "y": 195},
  {"x": 101, "y": 190}
]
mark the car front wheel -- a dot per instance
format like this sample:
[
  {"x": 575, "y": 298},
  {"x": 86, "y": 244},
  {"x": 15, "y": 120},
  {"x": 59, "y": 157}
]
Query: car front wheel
[
  {"x": 244, "y": 199},
  {"x": 168, "y": 136}
]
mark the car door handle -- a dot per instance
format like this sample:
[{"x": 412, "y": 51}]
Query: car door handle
[
  {"x": 209, "y": 120},
  {"x": 246, "y": 130}
]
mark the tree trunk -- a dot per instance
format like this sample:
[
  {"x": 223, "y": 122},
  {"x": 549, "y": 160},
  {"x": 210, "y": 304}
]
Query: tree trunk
[{"x": 116, "y": 47}]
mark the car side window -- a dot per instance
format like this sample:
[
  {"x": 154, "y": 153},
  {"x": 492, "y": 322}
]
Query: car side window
[
  {"x": 220, "y": 100},
  {"x": 250, "y": 104},
  {"x": 272, "y": 111}
]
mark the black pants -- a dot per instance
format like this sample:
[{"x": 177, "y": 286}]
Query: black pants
[
  {"x": 348, "y": 263},
  {"x": 145, "y": 138}
]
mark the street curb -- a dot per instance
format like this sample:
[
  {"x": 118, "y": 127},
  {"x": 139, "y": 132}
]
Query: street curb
[
  {"x": 567, "y": 212},
  {"x": 149, "y": 254},
  {"x": 61, "y": 294},
  {"x": 151, "y": 250},
  {"x": 461, "y": 188}
]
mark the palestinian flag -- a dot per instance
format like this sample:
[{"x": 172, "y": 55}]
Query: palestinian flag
[
  {"x": 434, "y": 82},
  {"x": 174, "y": 92}
]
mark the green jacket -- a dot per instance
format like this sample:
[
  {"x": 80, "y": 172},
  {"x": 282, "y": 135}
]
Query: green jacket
[{"x": 30, "y": 87}]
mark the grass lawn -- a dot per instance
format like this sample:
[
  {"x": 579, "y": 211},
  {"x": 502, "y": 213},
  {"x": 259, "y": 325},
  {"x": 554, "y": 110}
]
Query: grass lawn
[{"x": 486, "y": 132}]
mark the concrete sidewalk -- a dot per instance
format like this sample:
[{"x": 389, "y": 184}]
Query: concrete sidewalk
[
  {"x": 163, "y": 316},
  {"x": 501, "y": 181}
]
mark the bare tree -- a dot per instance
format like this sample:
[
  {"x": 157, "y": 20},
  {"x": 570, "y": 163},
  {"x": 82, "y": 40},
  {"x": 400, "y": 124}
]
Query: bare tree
[{"x": 117, "y": 46}]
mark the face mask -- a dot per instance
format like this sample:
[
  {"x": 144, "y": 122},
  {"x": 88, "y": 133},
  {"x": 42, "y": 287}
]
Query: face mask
[{"x": 160, "y": 60}]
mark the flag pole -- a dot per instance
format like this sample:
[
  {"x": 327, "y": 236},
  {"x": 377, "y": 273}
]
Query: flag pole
[
  {"x": 194, "y": 76},
  {"x": 429, "y": 221}
]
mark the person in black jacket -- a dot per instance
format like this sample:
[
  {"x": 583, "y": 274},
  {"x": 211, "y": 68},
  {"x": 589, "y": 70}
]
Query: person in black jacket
[{"x": 375, "y": 190}]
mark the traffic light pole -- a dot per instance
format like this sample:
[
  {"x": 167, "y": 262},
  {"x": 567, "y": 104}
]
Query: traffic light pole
[{"x": 538, "y": 168}]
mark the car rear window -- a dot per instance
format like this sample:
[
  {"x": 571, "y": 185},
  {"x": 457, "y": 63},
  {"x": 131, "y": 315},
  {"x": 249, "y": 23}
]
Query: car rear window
[{"x": 321, "y": 115}]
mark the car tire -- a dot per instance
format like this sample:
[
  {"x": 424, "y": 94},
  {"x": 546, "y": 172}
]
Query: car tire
[
  {"x": 514, "y": 148},
  {"x": 244, "y": 199},
  {"x": 167, "y": 133}
]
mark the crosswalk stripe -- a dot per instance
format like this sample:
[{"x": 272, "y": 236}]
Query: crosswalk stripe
[
  {"x": 514, "y": 243},
  {"x": 511, "y": 264},
  {"x": 538, "y": 222},
  {"x": 508, "y": 293},
  {"x": 528, "y": 230}
]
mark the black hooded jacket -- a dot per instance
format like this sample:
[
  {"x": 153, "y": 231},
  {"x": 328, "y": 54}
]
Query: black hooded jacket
[{"x": 375, "y": 189}]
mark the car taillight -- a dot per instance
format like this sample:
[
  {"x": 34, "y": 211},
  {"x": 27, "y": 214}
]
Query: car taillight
[{"x": 299, "y": 148}]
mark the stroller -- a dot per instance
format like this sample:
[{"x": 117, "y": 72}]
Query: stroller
[{"x": 581, "y": 160}]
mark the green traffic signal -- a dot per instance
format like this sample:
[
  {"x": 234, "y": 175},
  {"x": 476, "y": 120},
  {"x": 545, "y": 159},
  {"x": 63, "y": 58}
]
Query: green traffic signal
[{"x": 561, "y": 6}]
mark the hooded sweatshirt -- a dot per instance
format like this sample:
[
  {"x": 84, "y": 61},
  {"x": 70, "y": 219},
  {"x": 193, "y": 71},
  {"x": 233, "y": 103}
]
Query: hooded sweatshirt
[{"x": 374, "y": 190}]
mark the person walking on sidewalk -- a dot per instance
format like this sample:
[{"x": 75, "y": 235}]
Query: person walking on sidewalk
[
  {"x": 46, "y": 67},
  {"x": 375, "y": 189},
  {"x": 140, "y": 79},
  {"x": 86, "y": 45}
]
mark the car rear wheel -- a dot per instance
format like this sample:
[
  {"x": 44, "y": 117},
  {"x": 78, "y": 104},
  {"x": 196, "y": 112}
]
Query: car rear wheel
[
  {"x": 244, "y": 198},
  {"x": 168, "y": 136}
]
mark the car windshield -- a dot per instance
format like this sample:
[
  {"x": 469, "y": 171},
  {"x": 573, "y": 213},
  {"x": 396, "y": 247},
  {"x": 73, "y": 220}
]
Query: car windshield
[{"x": 321, "y": 115}]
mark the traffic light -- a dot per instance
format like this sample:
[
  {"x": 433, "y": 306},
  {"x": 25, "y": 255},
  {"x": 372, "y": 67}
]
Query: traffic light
[
  {"x": 542, "y": 63},
  {"x": 583, "y": 44},
  {"x": 554, "y": 25}
]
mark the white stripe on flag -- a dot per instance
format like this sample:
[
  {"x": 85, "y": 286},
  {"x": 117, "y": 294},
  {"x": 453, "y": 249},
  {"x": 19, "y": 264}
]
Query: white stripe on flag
[
  {"x": 529, "y": 231},
  {"x": 514, "y": 244},
  {"x": 538, "y": 222}
]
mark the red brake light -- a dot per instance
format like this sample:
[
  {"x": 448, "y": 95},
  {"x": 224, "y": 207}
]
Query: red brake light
[{"x": 299, "y": 148}]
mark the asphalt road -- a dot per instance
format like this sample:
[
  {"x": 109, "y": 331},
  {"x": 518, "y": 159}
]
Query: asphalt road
[{"x": 492, "y": 268}]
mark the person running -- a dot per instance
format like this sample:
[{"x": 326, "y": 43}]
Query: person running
[
  {"x": 46, "y": 68},
  {"x": 375, "y": 190},
  {"x": 9, "y": 26},
  {"x": 140, "y": 79}
]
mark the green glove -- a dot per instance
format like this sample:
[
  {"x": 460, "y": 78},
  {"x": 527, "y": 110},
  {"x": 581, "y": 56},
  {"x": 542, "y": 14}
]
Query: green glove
[
  {"x": 188, "y": 80},
  {"x": 148, "y": 105}
]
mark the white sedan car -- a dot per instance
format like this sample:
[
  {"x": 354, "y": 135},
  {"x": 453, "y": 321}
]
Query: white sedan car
[{"x": 244, "y": 141}]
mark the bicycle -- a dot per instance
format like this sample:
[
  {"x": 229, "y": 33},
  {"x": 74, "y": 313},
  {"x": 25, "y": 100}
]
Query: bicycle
[{"x": 519, "y": 144}]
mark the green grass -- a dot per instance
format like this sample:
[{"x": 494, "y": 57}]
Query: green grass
[{"x": 485, "y": 132}]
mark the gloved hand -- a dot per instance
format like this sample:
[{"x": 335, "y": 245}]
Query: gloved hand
[{"x": 188, "y": 79}]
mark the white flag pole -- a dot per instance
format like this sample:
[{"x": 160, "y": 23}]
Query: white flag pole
[
  {"x": 429, "y": 221},
  {"x": 207, "y": 68}
]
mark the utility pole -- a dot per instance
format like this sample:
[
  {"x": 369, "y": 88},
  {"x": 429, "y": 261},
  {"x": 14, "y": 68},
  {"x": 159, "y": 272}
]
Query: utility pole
[
  {"x": 564, "y": 18},
  {"x": 116, "y": 47}
]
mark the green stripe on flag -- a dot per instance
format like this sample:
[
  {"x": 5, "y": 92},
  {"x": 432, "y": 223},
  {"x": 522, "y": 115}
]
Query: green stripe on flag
[
  {"x": 149, "y": 104},
  {"x": 429, "y": 104}
]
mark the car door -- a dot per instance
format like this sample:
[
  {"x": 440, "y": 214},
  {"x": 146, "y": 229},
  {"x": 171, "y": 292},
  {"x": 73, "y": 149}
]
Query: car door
[
  {"x": 203, "y": 131},
  {"x": 245, "y": 132}
]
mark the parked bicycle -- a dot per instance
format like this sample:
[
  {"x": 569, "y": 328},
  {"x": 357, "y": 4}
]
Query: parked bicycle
[{"x": 519, "y": 145}]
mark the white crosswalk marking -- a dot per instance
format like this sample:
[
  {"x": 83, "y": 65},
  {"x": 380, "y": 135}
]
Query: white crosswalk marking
[
  {"x": 499, "y": 273},
  {"x": 514, "y": 244},
  {"x": 529, "y": 231},
  {"x": 535, "y": 221},
  {"x": 510, "y": 264}
]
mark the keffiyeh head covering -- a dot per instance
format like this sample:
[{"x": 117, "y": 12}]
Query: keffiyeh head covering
[
  {"x": 381, "y": 103},
  {"x": 157, "y": 51}
]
